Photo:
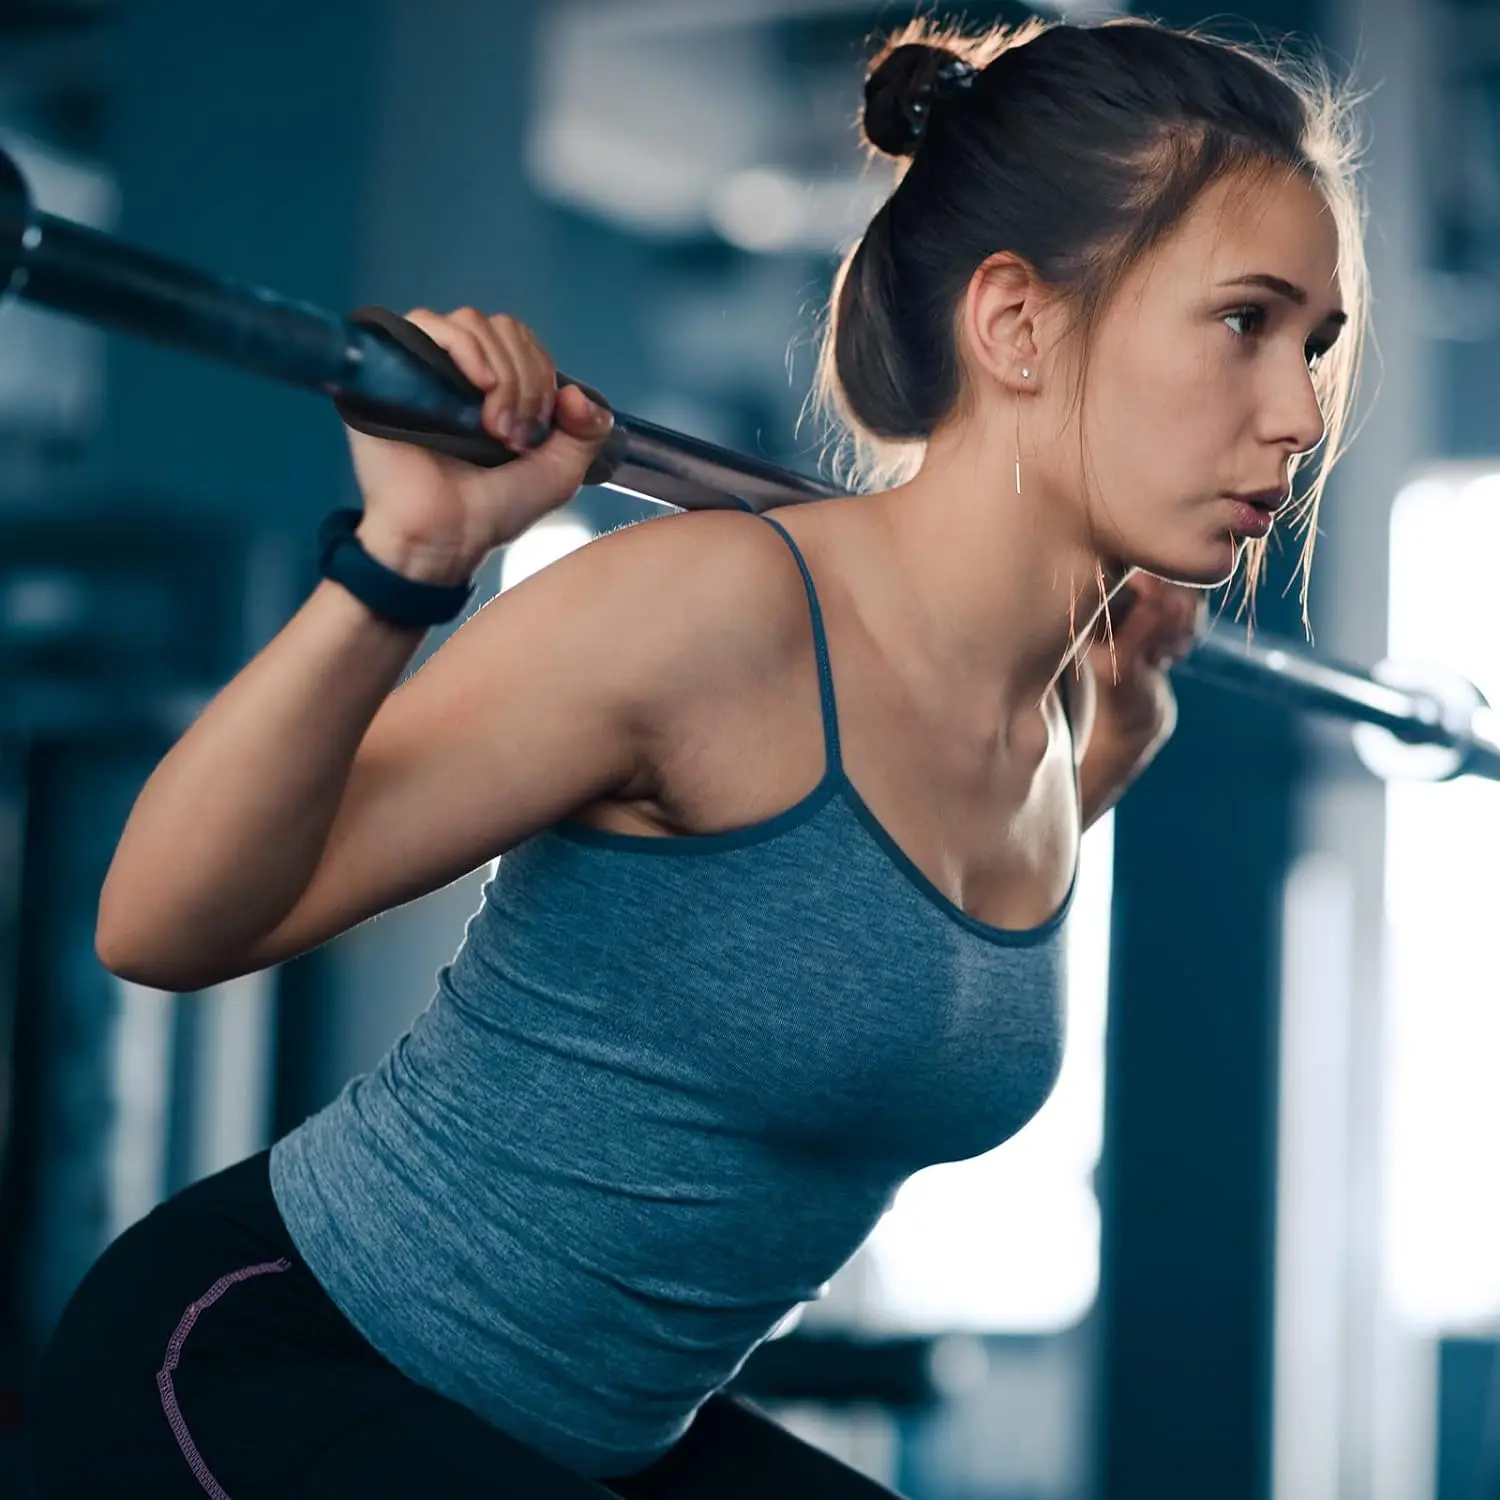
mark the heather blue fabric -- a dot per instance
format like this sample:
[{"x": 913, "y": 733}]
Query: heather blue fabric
[{"x": 664, "y": 1090}]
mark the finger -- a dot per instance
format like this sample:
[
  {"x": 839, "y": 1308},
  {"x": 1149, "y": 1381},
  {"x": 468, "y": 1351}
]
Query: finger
[
  {"x": 536, "y": 378},
  {"x": 500, "y": 405},
  {"x": 1174, "y": 643},
  {"x": 558, "y": 466},
  {"x": 1139, "y": 622},
  {"x": 1174, "y": 653},
  {"x": 580, "y": 419},
  {"x": 1189, "y": 618},
  {"x": 1171, "y": 615},
  {"x": 460, "y": 344},
  {"x": 547, "y": 372},
  {"x": 576, "y": 436},
  {"x": 1156, "y": 648}
]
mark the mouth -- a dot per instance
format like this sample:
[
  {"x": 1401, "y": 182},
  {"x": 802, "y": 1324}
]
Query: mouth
[
  {"x": 1255, "y": 515},
  {"x": 1270, "y": 501}
]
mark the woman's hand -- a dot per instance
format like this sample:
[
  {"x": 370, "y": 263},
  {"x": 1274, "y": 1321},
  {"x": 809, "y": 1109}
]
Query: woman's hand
[
  {"x": 1133, "y": 697},
  {"x": 1134, "y": 706},
  {"x": 434, "y": 518}
]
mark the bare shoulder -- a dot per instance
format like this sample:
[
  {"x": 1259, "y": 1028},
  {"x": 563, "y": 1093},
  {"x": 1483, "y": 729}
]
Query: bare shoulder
[
  {"x": 716, "y": 549},
  {"x": 719, "y": 590},
  {"x": 728, "y": 623}
]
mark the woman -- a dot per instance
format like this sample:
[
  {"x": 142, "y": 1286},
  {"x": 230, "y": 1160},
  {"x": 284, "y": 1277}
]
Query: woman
[{"x": 790, "y": 809}]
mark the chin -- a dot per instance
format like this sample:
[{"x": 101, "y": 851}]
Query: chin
[{"x": 1203, "y": 568}]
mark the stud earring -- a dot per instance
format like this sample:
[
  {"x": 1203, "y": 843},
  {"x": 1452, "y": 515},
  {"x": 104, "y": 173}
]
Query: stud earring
[{"x": 1025, "y": 373}]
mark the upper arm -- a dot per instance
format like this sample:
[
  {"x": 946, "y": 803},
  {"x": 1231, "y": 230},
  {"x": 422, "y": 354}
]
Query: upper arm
[{"x": 548, "y": 698}]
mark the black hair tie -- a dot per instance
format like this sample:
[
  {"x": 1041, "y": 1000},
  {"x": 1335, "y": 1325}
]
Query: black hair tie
[{"x": 953, "y": 78}]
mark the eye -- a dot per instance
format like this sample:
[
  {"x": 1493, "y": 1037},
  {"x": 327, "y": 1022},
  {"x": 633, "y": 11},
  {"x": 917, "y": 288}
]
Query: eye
[
  {"x": 1315, "y": 352},
  {"x": 1255, "y": 317}
]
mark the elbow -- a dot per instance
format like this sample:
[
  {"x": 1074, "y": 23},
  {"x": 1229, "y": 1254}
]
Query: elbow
[
  {"x": 124, "y": 963},
  {"x": 150, "y": 950},
  {"x": 110, "y": 948},
  {"x": 135, "y": 960},
  {"x": 174, "y": 978},
  {"x": 117, "y": 950}
]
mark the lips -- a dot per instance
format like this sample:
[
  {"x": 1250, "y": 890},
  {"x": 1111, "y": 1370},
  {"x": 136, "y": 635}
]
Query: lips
[{"x": 1271, "y": 501}]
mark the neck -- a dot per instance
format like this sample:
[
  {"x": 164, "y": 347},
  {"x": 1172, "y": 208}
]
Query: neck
[{"x": 1003, "y": 589}]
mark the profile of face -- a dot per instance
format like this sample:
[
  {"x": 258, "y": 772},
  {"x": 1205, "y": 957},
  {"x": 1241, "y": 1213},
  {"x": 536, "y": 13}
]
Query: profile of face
[{"x": 1199, "y": 384}]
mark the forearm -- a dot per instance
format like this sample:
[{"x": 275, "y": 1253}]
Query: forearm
[{"x": 228, "y": 831}]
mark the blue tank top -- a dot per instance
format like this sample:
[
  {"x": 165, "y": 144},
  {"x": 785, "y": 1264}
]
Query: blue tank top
[{"x": 665, "y": 1089}]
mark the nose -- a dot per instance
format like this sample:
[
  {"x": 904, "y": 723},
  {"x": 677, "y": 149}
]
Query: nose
[{"x": 1296, "y": 416}]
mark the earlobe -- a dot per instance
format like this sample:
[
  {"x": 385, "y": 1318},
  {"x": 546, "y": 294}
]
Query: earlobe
[{"x": 998, "y": 321}]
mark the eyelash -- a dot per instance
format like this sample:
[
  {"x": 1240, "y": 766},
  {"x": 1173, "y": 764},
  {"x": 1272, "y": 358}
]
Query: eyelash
[{"x": 1260, "y": 314}]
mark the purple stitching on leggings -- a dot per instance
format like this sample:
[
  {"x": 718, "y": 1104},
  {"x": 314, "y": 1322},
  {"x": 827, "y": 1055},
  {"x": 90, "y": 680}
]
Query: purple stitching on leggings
[{"x": 174, "y": 1354}]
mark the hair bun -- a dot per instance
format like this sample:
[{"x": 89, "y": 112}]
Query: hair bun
[{"x": 900, "y": 90}]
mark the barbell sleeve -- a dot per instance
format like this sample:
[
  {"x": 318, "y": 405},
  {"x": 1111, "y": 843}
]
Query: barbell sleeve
[{"x": 1462, "y": 723}]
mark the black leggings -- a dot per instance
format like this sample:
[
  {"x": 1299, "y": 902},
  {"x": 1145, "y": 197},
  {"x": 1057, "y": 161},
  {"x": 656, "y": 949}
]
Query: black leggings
[{"x": 200, "y": 1356}]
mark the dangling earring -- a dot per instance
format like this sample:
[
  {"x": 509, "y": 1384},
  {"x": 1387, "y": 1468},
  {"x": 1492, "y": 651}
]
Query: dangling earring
[{"x": 1025, "y": 375}]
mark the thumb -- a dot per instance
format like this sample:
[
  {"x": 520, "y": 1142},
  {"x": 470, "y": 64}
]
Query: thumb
[
  {"x": 579, "y": 428},
  {"x": 577, "y": 416}
]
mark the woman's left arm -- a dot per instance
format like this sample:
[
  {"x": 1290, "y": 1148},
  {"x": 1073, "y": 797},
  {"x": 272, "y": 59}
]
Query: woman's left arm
[{"x": 1124, "y": 711}]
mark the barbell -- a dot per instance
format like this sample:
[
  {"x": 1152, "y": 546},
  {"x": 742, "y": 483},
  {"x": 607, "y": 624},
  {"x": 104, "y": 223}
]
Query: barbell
[{"x": 1409, "y": 721}]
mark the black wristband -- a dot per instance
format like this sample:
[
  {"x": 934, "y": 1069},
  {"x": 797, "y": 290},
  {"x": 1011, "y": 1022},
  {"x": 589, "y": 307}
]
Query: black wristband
[{"x": 401, "y": 601}]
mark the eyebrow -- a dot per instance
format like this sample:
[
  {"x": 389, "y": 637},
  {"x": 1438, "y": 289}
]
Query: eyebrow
[{"x": 1283, "y": 288}]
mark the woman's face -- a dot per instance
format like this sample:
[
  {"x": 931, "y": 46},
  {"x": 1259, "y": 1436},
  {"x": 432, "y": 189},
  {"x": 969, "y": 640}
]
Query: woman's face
[{"x": 1200, "y": 385}]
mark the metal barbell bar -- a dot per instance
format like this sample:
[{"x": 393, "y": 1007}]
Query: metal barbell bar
[{"x": 72, "y": 269}]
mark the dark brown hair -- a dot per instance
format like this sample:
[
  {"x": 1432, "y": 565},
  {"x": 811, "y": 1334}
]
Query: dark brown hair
[{"x": 1079, "y": 148}]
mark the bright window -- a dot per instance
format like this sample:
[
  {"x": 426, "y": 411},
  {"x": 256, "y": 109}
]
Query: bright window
[{"x": 1442, "y": 1225}]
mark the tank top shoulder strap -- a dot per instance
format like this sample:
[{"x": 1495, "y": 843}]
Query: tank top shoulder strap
[{"x": 820, "y": 646}]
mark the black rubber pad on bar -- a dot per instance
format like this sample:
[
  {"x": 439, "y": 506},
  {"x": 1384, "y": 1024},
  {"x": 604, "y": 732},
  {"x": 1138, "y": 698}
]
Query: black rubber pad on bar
[{"x": 473, "y": 448}]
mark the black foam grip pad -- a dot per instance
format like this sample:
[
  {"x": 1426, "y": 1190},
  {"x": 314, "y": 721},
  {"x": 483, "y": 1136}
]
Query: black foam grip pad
[{"x": 477, "y": 448}]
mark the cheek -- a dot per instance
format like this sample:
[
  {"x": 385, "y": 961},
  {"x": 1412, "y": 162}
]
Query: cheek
[
  {"x": 1146, "y": 436},
  {"x": 1166, "y": 417}
]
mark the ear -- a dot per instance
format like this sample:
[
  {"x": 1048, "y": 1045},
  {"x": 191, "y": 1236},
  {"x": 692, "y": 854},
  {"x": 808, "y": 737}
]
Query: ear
[{"x": 999, "y": 321}]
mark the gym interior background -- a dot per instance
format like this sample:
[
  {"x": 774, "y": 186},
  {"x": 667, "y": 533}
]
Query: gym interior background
[{"x": 1251, "y": 1247}]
